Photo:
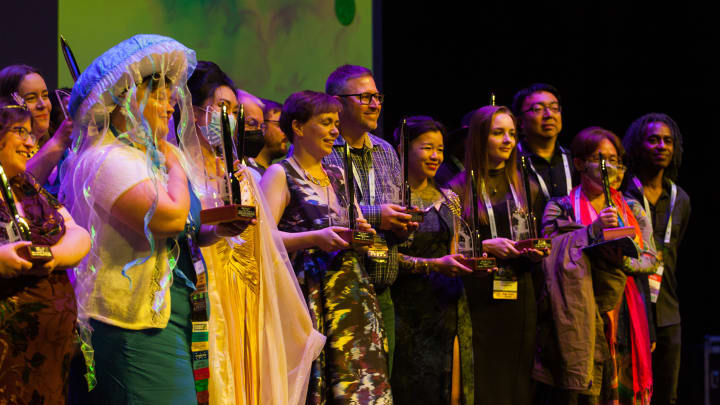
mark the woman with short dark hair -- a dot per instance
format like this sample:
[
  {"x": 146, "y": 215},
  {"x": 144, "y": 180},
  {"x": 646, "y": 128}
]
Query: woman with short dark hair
[
  {"x": 309, "y": 202},
  {"x": 588, "y": 298}
]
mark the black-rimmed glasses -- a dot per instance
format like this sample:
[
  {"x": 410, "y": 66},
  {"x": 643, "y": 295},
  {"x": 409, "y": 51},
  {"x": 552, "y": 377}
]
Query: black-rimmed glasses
[{"x": 366, "y": 98}]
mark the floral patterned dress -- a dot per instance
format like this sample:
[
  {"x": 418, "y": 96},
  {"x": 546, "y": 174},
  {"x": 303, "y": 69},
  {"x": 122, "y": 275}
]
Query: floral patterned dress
[
  {"x": 37, "y": 314},
  {"x": 352, "y": 369}
]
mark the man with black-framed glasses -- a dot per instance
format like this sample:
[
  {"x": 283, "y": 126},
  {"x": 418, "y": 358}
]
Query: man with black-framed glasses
[
  {"x": 539, "y": 116},
  {"x": 377, "y": 178},
  {"x": 254, "y": 130}
]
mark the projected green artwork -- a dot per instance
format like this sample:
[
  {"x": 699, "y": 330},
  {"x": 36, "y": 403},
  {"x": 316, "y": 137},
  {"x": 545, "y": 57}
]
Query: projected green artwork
[{"x": 270, "y": 48}]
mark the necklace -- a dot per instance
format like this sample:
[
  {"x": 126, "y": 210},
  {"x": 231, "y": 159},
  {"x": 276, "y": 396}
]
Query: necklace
[{"x": 320, "y": 182}]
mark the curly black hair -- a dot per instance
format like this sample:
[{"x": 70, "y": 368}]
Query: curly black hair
[{"x": 635, "y": 135}]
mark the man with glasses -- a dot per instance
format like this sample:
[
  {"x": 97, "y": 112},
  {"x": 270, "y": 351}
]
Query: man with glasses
[
  {"x": 539, "y": 116},
  {"x": 254, "y": 130},
  {"x": 377, "y": 177},
  {"x": 276, "y": 143}
]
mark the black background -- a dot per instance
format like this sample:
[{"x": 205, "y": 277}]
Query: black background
[{"x": 612, "y": 62}]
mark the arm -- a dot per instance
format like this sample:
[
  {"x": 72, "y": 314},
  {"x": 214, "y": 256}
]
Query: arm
[
  {"x": 647, "y": 262},
  {"x": 274, "y": 186},
  {"x": 72, "y": 247},
  {"x": 172, "y": 208},
  {"x": 47, "y": 157}
]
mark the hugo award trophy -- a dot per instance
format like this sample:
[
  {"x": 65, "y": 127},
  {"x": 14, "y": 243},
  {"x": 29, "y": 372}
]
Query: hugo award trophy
[
  {"x": 621, "y": 231},
  {"x": 231, "y": 208},
  {"x": 615, "y": 238},
  {"x": 18, "y": 228},
  {"x": 416, "y": 214},
  {"x": 523, "y": 223},
  {"x": 475, "y": 261},
  {"x": 353, "y": 236}
]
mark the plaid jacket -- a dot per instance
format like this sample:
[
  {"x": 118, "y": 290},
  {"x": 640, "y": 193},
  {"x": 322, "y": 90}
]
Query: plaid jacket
[{"x": 381, "y": 157}]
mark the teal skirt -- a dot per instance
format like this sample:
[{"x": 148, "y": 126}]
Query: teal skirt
[{"x": 151, "y": 366}]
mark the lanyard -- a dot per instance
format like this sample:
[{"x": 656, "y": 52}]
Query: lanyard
[
  {"x": 371, "y": 181},
  {"x": 543, "y": 186},
  {"x": 489, "y": 208},
  {"x": 673, "y": 197},
  {"x": 200, "y": 304},
  {"x": 578, "y": 214}
]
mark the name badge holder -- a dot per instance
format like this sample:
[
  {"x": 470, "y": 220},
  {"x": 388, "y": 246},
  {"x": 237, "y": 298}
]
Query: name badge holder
[
  {"x": 655, "y": 279},
  {"x": 18, "y": 228},
  {"x": 505, "y": 284},
  {"x": 229, "y": 204}
]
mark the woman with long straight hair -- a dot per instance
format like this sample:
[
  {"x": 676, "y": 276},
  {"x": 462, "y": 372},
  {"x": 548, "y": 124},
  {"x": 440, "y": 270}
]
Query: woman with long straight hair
[{"x": 501, "y": 304}]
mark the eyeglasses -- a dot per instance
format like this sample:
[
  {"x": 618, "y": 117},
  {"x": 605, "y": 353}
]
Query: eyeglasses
[
  {"x": 366, "y": 98},
  {"x": 540, "y": 108},
  {"x": 612, "y": 161},
  {"x": 23, "y": 134},
  {"x": 254, "y": 125}
]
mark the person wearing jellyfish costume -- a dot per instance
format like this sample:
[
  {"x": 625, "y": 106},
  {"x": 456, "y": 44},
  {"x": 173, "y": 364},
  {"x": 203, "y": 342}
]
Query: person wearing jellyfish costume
[{"x": 142, "y": 291}]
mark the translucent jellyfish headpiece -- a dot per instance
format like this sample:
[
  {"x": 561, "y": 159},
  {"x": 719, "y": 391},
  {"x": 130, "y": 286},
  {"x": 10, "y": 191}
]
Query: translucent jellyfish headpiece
[{"x": 126, "y": 97}]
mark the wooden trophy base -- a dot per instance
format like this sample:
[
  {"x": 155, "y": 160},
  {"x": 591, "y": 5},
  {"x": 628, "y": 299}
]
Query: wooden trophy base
[
  {"x": 617, "y": 233},
  {"x": 535, "y": 243},
  {"x": 357, "y": 238},
  {"x": 416, "y": 214},
  {"x": 479, "y": 264},
  {"x": 37, "y": 253},
  {"x": 227, "y": 213}
]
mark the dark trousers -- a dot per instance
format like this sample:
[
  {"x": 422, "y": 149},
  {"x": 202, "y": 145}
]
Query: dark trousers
[{"x": 666, "y": 364}]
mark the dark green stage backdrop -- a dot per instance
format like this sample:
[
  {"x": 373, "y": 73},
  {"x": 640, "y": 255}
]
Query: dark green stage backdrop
[{"x": 270, "y": 48}]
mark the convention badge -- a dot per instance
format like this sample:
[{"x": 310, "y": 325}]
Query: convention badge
[
  {"x": 655, "y": 280},
  {"x": 505, "y": 285}
]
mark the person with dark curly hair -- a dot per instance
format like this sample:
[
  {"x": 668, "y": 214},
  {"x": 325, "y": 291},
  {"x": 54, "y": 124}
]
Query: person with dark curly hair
[{"x": 654, "y": 153}]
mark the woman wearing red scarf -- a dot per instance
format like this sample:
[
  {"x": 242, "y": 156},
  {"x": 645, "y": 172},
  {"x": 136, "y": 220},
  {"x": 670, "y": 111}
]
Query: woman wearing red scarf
[{"x": 596, "y": 325}]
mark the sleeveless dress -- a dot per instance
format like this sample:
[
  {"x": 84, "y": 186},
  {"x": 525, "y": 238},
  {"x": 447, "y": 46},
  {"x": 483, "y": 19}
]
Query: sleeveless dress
[
  {"x": 37, "y": 314},
  {"x": 352, "y": 369}
]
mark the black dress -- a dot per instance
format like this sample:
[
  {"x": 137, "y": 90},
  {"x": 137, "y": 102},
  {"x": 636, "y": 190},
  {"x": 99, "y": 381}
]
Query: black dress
[
  {"x": 426, "y": 316},
  {"x": 503, "y": 331}
]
